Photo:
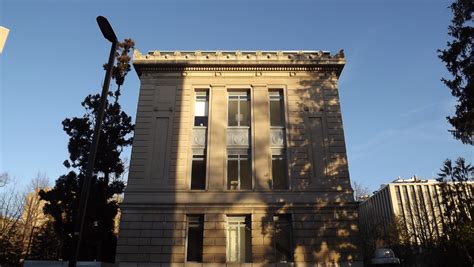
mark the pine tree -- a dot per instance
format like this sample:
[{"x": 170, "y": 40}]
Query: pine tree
[
  {"x": 459, "y": 60},
  {"x": 99, "y": 240}
]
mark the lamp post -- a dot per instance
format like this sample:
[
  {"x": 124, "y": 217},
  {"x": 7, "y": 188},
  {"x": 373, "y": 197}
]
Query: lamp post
[{"x": 109, "y": 34}]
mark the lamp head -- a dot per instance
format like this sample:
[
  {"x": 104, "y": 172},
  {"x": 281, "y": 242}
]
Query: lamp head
[{"x": 106, "y": 29}]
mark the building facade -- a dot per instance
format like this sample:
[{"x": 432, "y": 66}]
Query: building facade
[
  {"x": 413, "y": 203},
  {"x": 238, "y": 159}
]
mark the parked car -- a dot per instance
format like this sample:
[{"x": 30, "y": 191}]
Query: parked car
[{"x": 384, "y": 257}]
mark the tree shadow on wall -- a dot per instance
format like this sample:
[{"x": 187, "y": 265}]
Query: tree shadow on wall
[{"x": 324, "y": 215}]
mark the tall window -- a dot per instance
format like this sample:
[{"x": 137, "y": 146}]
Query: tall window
[
  {"x": 277, "y": 128},
  {"x": 239, "y": 174},
  {"x": 198, "y": 172},
  {"x": 282, "y": 238},
  {"x": 279, "y": 171},
  {"x": 239, "y": 109},
  {"x": 198, "y": 166},
  {"x": 277, "y": 117},
  {"x": 195, "y": 229},
  {"x": 239, "y": 239},
  {"x": 201, "y": 107}
]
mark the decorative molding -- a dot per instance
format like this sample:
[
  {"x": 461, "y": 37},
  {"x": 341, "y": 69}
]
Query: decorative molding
[
  {"x": 199, "y": 137},
  {"x": 238, "y": 137},
  {"x": 277, "y": 137},
  {"x": 237, "y": 55},
  {"x": 256, "y": 61},
  {"x": 177, "y": 67}
]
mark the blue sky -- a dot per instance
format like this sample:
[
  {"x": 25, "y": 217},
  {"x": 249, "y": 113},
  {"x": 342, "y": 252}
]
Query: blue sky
[{"x": 394, "y": 105}]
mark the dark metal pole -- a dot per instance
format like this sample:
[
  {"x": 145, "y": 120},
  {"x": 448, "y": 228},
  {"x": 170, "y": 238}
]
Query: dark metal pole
[{"x": 79, "y": 225}]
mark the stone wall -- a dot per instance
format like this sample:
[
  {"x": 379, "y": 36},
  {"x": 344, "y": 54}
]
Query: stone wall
[{"x": 319, "y": 235}]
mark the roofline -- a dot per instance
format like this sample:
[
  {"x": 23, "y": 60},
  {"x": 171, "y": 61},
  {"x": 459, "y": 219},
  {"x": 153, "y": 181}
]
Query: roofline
[
  {"x": 289, "y": 60},
  {"x": 242, "y": 51}
]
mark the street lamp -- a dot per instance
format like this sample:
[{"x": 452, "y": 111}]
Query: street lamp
[{"x": 109, "y": 34}]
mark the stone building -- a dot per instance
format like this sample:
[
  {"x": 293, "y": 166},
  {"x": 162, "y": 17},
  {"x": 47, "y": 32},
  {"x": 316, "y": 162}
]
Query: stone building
[{"x": 238, "y": 158}]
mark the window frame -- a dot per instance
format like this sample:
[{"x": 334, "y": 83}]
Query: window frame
[
  {"x": 199, "y": 93},
  {"x": 237, "y": 95},
  {"x": 290, "y": 236},
  {"x": 199, "y": 90},
  {"x": 276, "y": 95},
  {"x": 283, "y": 157},
  {"x": 201, "y": 222},
  {"x": 239, "y": 155},
  {"x": 198, "y": 157},
  {"x": 241, "y": 221}
]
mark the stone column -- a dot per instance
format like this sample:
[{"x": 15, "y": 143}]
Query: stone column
[
  {"x": 217, "y": 139},
  {"x": 261, "y": 153}
]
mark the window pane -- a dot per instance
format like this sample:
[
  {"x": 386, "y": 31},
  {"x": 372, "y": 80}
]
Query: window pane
[
  {"x": 283, "y": 251},
  {"x": 242, "y": 243},
  {"x": 245, "y": 113},
  {"x": 232, "y": 245},
  {"x": 198, "y": 174},
  {"x": 201, "y": 107},
  {"x": 239, "y": 239},
  {"x": 200, "y": 121},
  {"x": 279, "y": 173},
  {"x": 233, "y": 116},
  {"x": 276, "y": 118},
  {"x": 232, "y": 175},
  {"x": 195, "y": 238},
  {"x": 245, "y": 174}
]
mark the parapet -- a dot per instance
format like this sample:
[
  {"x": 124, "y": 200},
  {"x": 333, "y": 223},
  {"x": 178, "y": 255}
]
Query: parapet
[{"x": 175, "y": 60}]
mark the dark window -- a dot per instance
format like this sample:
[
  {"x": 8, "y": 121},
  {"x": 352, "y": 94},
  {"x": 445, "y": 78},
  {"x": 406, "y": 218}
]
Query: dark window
[
  {"x": 282, "y": 238},
  {"x": 239, "y": 174},
  {"x": 201, "y": 107},
  {"x": 195, "y": 237},
  {"x": 279, "y": 173},
  {"x": 276, "y": 109},
  {"x": 198, "y": 172},
  {"x": 239, "y": 109}
]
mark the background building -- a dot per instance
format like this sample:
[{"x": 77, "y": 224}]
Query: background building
[
  {"x": 416, "y": 204},
  {"x": 238, "y": 157}
]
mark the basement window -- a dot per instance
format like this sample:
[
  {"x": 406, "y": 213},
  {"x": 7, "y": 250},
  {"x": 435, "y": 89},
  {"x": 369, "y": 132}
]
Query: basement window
[{"x": 195, "y": 229}]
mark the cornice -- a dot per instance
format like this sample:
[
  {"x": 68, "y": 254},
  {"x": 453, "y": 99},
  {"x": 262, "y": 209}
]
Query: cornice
[
  {"x": 328, "y": 205},
  {"x": 177, "y": 61}
]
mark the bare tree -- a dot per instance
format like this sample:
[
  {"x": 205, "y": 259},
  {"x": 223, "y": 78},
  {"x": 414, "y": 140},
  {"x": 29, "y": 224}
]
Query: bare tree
[
  {"x": 4, "y": 179},
  {"x": 10, "y": 224},
  {"x": 21, "y": 211},
  {"x": 424, "y": 228},
  {"x": 361, "y": 192},
  {"x": 32, "y": 215},
  {"x": 10, "y": 208}
]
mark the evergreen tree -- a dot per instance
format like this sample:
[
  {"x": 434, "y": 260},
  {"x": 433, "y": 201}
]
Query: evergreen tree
[
  {"x": 459, "y": 60},
  {"x": 99, "y": 240},
  {"x": 45, "y": 244},
  {"x": 457, "y": 243}
]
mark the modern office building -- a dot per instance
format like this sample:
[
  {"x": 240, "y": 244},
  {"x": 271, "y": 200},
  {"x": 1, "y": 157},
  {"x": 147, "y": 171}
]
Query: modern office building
[
  {"x": 238, "y": 159},
  {"x": 415, "y": 203}
]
